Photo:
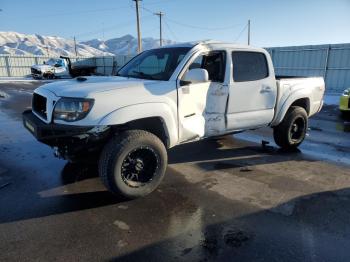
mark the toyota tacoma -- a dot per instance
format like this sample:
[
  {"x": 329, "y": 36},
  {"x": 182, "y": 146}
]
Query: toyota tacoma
[{"x": 166, "y": 97}]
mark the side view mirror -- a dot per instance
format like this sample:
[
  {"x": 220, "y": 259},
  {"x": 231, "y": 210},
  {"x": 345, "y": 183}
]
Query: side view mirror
[{"x": 197, "y": 75}]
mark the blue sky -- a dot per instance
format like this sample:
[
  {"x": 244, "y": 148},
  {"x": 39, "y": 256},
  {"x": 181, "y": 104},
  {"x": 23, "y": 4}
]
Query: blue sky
[{"x": 274, "y": 22}]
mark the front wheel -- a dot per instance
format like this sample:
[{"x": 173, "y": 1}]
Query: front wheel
[
  {"x": 290, "y": 133},
  {"x": 133, "y": 163}
]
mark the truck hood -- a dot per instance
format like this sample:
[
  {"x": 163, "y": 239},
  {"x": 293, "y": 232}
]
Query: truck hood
[
  {"x": 85, "y": 86},
  {"x": 43, "y": 68}
]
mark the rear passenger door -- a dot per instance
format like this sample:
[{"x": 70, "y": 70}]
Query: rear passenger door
[{"x": 253, "y": 91}]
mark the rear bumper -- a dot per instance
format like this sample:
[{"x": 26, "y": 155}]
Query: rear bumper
[
  {"x": 43, "y": 131},
  {"x": 344, "y": 103}
]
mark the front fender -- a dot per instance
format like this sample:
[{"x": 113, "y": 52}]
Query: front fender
[{"x": 140, "y": 111}]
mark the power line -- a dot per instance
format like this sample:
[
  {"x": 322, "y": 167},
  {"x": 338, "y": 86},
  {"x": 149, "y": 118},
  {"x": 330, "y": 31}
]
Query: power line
[
  {"x": 160, "y": 2},
  {"x": 112, "y": 27},
  {"x": 147, "y": 10},
  {"x": 45, "y": 15},
  {"x": 193, "y": 26},
  {"x": 171, "y": 31},
  {"x": 239, "y": 35},
  {"x": 202, "y": 28}
]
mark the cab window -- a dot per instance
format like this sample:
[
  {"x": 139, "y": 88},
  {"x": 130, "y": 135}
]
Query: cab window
[{"x": 249, "y": 66}]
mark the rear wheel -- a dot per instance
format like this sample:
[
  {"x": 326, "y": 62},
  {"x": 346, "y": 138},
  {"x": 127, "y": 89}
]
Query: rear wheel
[
  {"x": 133, "y": 164},
  {"x": 291, "y": 132}
]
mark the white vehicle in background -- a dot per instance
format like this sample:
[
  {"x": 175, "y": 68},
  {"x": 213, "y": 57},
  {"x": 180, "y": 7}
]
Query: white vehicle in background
[
  {"x": 61, "y": 68},
  {"x": 166, "y": 97},
  {"x": 52, "y": 68}
]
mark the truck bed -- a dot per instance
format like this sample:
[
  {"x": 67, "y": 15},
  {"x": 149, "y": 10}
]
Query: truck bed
[
  {"x": 278, "y": 77},
  {"x": 291, "y": 86}
]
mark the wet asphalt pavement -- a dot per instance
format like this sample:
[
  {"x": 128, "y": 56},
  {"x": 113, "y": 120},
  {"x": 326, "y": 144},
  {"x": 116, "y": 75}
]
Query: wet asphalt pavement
[{"x": 222, "y": 200}]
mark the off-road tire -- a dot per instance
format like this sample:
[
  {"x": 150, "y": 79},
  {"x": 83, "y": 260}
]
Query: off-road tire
[
  {"x": 283, "y": 132},
  {"x": 116, "y": 152}
]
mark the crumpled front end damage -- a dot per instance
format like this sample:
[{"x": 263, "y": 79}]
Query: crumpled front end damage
[{"x": 69, "y": 142}]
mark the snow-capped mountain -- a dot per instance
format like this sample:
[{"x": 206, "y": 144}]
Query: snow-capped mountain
[
  {"x": 22, "y": 44},
  {"x": 124, "y": 45}
]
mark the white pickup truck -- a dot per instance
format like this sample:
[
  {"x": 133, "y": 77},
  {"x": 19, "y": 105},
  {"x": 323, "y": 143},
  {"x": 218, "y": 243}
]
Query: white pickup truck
[
  {"x": 165, "y": 97},
  {"x": 60, "y": 68}
]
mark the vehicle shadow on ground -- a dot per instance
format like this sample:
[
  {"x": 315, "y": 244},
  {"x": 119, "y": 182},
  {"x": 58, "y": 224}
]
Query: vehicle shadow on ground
[
  {"x": 315, "y": 228},
  {"x": 79, "y": 196},
  {"x": 57, "y": 201},
  {"x": 231, "y": 151}
]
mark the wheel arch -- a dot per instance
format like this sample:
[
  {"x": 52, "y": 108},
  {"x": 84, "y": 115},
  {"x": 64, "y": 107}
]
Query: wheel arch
[
  {"x": 156, "y": 118},
  {"x": 300, "y": 100}
]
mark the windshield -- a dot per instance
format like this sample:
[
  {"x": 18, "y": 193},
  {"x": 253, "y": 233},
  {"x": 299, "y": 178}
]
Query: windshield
[
  {"x": 53, "y": 62},
  {"x": 155, "y": 64}
]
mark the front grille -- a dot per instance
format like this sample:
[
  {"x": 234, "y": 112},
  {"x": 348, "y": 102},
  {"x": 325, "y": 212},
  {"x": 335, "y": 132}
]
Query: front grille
[
  {"x": 35, "y": 71},
  {"x": 39, "y": 105},
  {"x": 349, "y": 102}
]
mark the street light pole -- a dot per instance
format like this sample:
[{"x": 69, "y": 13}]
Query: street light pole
[
  {"x": 249, "y": 32},
  {"x": 75, "y": 47},
  {"x": 139, "y": 40}
]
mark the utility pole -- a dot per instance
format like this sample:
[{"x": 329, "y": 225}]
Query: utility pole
[
  {"x": 129, "y": 45},
  {"x": 75, "y": 47},
  {"x": 139, "y": 40},
  {"x": 160, "y": 14},
  {"x": 249, "y": 32}
]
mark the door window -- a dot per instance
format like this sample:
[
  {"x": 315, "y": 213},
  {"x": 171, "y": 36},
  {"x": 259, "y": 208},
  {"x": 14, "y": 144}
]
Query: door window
[
  {"x": 249, "y": 66},
  {"x": 214, "y": 63}
]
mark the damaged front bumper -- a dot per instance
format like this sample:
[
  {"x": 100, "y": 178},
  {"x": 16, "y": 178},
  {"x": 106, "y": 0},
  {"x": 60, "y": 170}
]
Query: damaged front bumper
[
  {"x": 36, "y": 73},
  {"x": 68, "y": 141}
]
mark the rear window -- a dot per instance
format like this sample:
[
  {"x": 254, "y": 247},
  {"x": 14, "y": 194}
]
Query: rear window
[{"x": 249, "y": 66}]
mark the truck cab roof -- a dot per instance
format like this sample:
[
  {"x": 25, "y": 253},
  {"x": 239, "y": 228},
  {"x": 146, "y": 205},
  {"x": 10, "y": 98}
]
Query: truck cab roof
[{"x": 212, "y": 44}]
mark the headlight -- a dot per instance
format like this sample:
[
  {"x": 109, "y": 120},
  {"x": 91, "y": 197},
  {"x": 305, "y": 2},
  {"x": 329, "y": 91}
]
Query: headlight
[
  {"x": 346, "y": 92},
  {"x": 72, "y": 109}
]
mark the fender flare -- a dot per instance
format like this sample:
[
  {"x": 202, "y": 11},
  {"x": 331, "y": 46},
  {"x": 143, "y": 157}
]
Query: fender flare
[
  {"x": 145, "y": 110},
  {"x": 287, "y": 104}
]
